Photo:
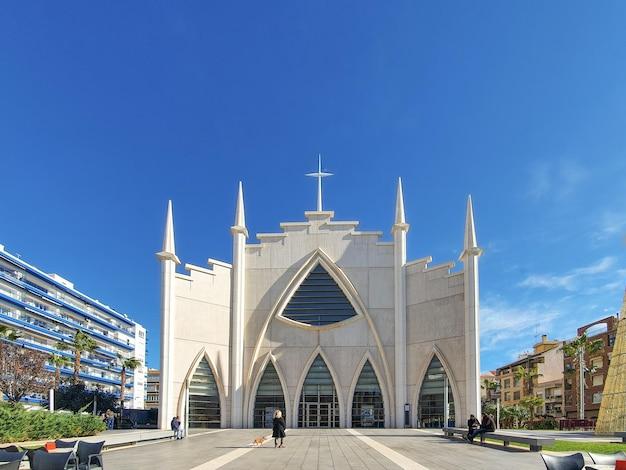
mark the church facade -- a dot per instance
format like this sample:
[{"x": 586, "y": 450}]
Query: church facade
[{"x": 330, "y": 324}]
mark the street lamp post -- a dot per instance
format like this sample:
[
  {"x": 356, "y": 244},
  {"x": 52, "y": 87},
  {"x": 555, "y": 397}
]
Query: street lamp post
[{"x": 496, "y": 393}]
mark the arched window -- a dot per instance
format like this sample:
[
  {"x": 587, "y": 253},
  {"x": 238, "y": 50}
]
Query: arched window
[
  {"x": 436, "y": 402},
  {"x": 367, "y": 404},
  {"x": 319, "y": 300},
  {"x": 319, "y": 407},
  {"x": 269, "y": 397},
  {"x": 204, "y": 400}
]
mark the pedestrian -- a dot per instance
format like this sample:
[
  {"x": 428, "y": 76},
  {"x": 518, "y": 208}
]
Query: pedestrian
[
  {"x": 278, "y": 428},
  {"x": 110, "y": 416},
  {"x": 176, "y": 427},
  {"x": 487, "y": 425},
  {"x": 472, "y": 425}
]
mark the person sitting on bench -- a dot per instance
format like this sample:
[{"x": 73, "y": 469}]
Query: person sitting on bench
[
  {"x": 487, "y": 425},
  {"x": 472, "y": 425}
]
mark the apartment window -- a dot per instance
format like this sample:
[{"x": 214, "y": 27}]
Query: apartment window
[
  {"x": 507, "y": 396},
  {"x": 598, "y": 380},
  {"x": 516, "y": 381},
  {"x": 611, "y": 340},
  {"x": 142, "y": 334},
  {"x": 597, "y": 397},
  {"x": 516, "y": 395},
  {"x": 507, "y": 383},
  {"x": 597, "y": 362}
]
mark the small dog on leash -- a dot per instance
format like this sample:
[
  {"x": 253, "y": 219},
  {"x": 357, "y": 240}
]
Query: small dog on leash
[{"x": 258, "y": 441}]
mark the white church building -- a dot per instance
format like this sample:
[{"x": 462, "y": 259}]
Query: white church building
[{"x": 330, "y": 324}]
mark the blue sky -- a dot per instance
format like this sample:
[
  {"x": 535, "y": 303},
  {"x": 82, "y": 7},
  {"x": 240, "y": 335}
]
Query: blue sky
[{"x": 107, "y": 110}]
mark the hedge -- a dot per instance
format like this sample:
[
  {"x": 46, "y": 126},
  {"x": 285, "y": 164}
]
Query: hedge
[{"x": 18, "y": 424}]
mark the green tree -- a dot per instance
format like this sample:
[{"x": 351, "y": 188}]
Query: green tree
[
  {"x": 129, "y": 363},
  {"x": 576, "y": 350},
  {"x": 530, "y": 402},
  {"x": 58, "y": 361},
  {"x": 513, "y": 416},
  {"x": 80, "y": 343},
  {"x": 527, "y": 375}
]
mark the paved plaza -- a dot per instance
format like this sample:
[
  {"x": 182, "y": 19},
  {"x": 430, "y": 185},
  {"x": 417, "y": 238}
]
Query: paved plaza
[{"x": 321, "y": 449}]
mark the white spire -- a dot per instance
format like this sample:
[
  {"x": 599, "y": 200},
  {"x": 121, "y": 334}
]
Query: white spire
[
  {"x": 240, "y": 215},
  {"x": 400, "y": 204},
  {"x": 470, "y": 245},
  {"x": 319, "y": 175},
  {"x": 169, "y": 247},
  {"x": 400, "y": 220},
  {"x": 470, "y": 230}
]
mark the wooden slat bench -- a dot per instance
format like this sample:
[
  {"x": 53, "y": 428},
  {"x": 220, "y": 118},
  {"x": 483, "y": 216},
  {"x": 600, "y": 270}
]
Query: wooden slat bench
[{"x": 536, "y": 443}]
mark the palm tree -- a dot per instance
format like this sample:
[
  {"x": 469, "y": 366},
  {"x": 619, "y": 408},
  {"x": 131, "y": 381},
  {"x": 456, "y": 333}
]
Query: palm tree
[
  {"x": 490, "y": 386},
  {"x": 576, "y": 349},
  {"x": 7, "y": 334},
  {"x": 58, "y": 361},
  {"x": 80, "y": 344},
  {"x": 527, "y": 375},
  {"x": 126, "y": 363}
]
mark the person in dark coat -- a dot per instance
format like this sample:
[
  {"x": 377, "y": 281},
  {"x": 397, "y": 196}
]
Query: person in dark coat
[
  {"x": 176, "y": 427},
  {"x": 472, "y": 425},
  {"x": 487, "y": 425},
  {"x": 278, "y": 428}
]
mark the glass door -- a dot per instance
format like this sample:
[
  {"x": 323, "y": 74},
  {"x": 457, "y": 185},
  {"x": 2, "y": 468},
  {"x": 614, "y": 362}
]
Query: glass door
[{"x": 312, "y": 415}]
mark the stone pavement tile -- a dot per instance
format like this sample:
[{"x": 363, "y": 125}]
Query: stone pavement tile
[
  {"x": 314, "y": 449},
  {"x": 180, "y": 455},
  {"x": 321, "y": 449},
  {"x": 438, "y": 453}
]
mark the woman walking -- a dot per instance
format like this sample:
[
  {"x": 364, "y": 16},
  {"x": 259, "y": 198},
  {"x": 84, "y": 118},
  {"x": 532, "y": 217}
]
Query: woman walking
[{"x": 278, "y": 428}]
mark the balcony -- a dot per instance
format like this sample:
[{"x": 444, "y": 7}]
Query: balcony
[
  {"x": 48, "y": 280},
  {"x": 56, "y": 317}
]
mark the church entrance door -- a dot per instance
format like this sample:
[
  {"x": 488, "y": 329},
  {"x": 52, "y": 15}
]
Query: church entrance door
[{"x": 319, "y": 415}]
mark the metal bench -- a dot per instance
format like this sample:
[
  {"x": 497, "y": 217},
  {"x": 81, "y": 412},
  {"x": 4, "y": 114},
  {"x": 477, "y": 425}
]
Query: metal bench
[
  {"x": 536, "y": 443},
  {"x": 621, "y": 435}
]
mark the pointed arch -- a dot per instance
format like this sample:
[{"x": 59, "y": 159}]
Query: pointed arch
[
  {"x": 202, "y": 355},
  {"x": 456, "y": 396},
  {"x": 319, "y": 255},
  {"x": 318, "y": 351},
  {"x": 321, "y": 259},
  {"x": 251, "y": 398},
  {"x": 367, "y": 357}
]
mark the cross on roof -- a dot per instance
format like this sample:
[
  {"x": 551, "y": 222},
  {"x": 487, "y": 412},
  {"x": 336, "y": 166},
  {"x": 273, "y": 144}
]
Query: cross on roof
[{"x": 319, "y": 175}]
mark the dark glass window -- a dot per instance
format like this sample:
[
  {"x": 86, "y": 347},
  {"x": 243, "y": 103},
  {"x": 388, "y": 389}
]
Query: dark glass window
[
  {"x": 204, "y": 400},
  {"x": 269, "y": 397},
  {"x": 319, "y": 301},
  {"x": 318, "y": 406},
  {"x": 430, "y": 409},
  {"x": 367, "y": 404}
]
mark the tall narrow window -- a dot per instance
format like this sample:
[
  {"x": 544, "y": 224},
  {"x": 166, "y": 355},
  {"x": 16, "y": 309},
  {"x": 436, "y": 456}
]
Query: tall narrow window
[
  {"x": 269, "y": 397},
  {"x": 204, "y": 400},
  {"x": 367, "y": 404},
  {"x": 435, "y": 396},
  {"x": 319, "y": 407},
  {"x": 319, "y": 300}
]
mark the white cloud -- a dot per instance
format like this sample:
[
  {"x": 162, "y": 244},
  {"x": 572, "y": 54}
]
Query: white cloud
[
  {"x": 601, "y": 266},
  {"x": 570, "y": 280},
  {"x": 610, "y": 224},
  {"x": 548, "y": 281},
  {"x": 555, "y": 179},
  {"x": 504, "y": 323}
]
